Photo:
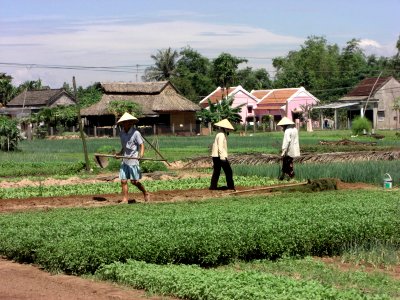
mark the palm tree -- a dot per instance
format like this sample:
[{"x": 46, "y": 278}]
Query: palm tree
[{"x": 164, "y": 67}]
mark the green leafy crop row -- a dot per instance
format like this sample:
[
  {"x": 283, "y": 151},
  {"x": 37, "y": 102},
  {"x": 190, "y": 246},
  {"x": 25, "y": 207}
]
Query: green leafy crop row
[
  {"x": 206, "y": 233},
  {"x": 193, "y": 282},
  {"x": 115, "y": 187}
]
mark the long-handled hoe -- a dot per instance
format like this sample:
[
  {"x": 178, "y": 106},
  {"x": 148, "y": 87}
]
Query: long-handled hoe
[{"x": 103, "y": 159}]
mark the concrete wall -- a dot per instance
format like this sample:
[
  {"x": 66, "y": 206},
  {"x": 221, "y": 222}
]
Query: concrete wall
[
  {"x": 302, "y": 98},
  {"x": 242, "y": 98},
  {"x": 386, "y": 114}
]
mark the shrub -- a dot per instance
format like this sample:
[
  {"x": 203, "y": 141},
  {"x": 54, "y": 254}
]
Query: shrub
[
  {"x": 9, "y": 134},
  {"x": 152, "y": 166},
  {"x": 360, "y": 124}
]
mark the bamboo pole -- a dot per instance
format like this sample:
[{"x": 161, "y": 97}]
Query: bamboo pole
[{"x": 273, "y": 187}]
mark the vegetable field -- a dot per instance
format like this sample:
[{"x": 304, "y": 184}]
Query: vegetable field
[{"x": 192, "y": 243}]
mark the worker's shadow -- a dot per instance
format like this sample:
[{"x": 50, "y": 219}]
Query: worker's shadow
[{"x": 102, "y": 199}]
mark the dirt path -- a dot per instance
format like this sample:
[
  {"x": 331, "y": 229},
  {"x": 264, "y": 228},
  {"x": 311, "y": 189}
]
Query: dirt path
[{"x": 23, "y": 281}]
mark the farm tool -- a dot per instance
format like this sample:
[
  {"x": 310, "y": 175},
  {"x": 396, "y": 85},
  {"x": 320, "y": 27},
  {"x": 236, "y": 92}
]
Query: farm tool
[
  {"x": 322, "y": 184},
  {"x": 273, "y": 187},
  {"x": 103, "y": 159}
]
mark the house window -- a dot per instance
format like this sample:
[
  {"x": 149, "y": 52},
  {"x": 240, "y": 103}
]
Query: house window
[
  {"x": 381, "y": 115},
  {"x": 395, "y": 118},
  {"x": 249, "y": 109}
]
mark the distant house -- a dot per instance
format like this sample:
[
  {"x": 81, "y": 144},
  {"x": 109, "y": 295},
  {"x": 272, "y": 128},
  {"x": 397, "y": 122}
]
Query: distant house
[
  {"x": 375, "y": 99},
  {"x": 29, "y": 102},
  {"x": 289, "y": 102},
  {"x": 240, "y": 95},
  {"x": 161, "y": 105}
]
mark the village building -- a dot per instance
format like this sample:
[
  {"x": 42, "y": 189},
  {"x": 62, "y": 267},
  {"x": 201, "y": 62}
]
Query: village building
[
  {"x": 164, "y": 110},
  {"x": 28, "y": 102},
  {"x": 240, "y": 97},
  {"x": 287, "y": 102},
  {"x": 373, "y": 98}
]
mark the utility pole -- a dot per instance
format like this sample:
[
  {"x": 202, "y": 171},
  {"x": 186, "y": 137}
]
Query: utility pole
[{"x": 81, "y": 126}]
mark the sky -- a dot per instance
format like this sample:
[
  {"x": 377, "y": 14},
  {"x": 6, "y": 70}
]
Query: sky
[{"x": 113, "y": 40}]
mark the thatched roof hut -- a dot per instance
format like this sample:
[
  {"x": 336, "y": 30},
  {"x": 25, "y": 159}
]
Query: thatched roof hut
[{"x": 153, "y": 97}]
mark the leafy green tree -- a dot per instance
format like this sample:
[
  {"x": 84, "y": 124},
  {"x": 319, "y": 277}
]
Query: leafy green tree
[
  {"x": 164, "y": 66},
  {"x": 251, "y": 79},
  {"x": 59, "y": 116},
  {"x": 119, "y": 107},
  {"x": 89, "y": 95},
  {"x": 219, "y": 111},
  {"x": 30, "y": 85},
  {"x": 7, "y": 90},
  {"x": 353, "y": 64},
  {"x": 9, "y": 134},
  {"x": 224, "y": 69},
  {"x": 315, "y": 66},
  {"x": 193, "y": 75}
]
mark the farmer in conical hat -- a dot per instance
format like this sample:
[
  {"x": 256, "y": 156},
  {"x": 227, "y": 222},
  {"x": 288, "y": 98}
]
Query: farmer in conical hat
[
  {"x": 290, "y": 147},
  {"x": 219, "y": 155},
  {"x": 132, "y": 146}
]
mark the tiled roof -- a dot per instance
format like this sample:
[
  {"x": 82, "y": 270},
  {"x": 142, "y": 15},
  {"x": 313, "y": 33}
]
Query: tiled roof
[
  {"x": 364, "y": 88},
  {"x": 260, "y": 93},
  {"x": 219, "y": 94},
  {"x": 278, "y": 96}
]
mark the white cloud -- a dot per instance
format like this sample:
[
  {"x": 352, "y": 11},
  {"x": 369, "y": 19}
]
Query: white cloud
[
  {"x": 373, "y": 47},
  {"x": 112, "y": 43}
]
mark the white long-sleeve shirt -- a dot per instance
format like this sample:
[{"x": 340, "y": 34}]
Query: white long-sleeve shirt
[
  {"x": 219, "y": 147},
  {"x": 290, "y": 145}
]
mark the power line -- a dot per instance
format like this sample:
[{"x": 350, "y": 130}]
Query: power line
[{"x": 118, "y": 69}]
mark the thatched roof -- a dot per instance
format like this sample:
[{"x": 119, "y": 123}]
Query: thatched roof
[
  {"x": 37, "y": 98},
  {"x": 153, "y": 97},
  {"x": 135, "y": 87}
]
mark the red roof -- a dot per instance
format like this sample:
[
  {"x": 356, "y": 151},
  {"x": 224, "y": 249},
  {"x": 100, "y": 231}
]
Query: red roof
[
  {"x": 364, "y": 88},
  {"x": 278, "y": 96},
  {"x": 260, "y": 93},
  {"x": 220, "y": 94}
]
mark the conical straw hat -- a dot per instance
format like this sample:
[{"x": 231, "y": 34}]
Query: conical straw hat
[
  {"x": 285, "y": 121},
  {"x": 224, "y": 124},
  {"x": 127, "y": 117}
]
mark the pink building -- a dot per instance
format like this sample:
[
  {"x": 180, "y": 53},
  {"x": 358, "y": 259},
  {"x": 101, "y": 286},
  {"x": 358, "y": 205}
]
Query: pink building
[
  {"x": 275, "y": 102},
  {"x": 240, "y": 95}
]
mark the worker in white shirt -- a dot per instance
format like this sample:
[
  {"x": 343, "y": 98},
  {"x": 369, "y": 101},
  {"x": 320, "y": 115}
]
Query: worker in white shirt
[
  {"x": 290, "y": 147},
  {"x": 219, "y": 155}
]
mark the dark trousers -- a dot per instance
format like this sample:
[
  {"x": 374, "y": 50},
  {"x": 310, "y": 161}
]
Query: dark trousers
[
  {"x": 287, "y": 167},
  {"x": 225, "y": 165}
]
